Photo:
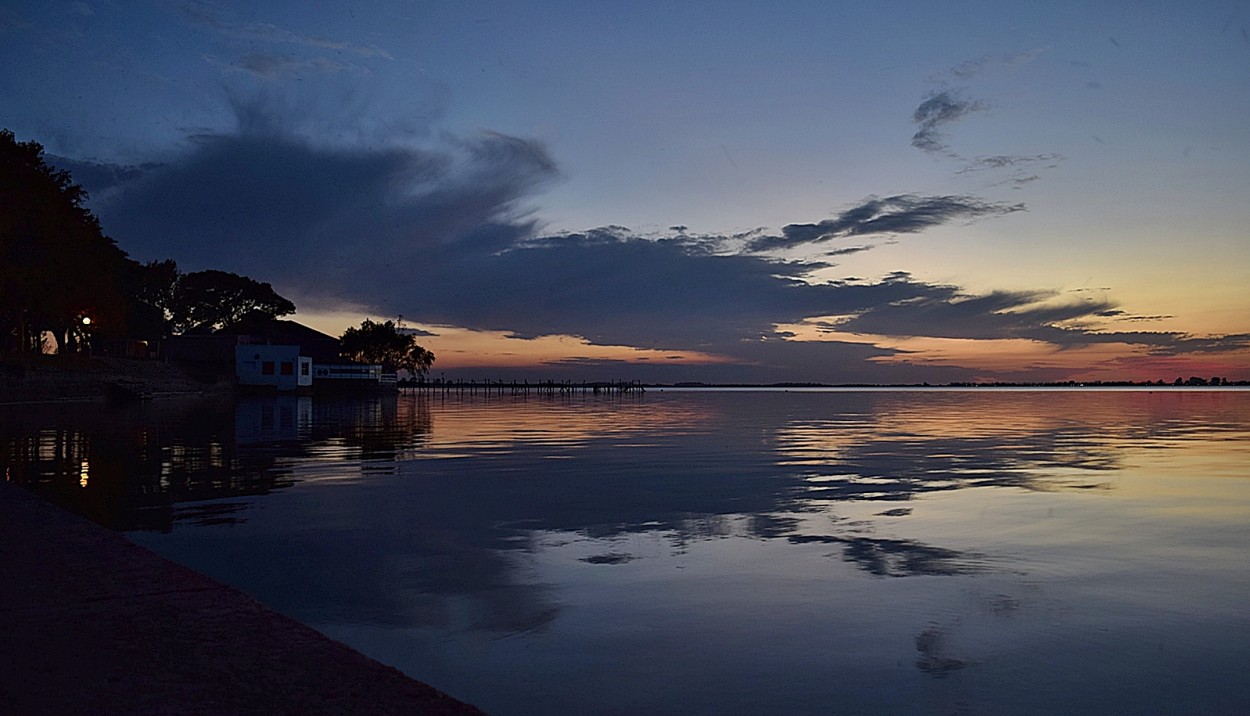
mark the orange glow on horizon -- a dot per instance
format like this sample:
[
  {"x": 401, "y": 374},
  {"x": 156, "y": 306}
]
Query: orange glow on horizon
[
  {"x": 466, "y": 348},
  {"x": 994, "y": 359},
  {"x": 1097, "y": 361},
  {"x": 456, "y": 347}
]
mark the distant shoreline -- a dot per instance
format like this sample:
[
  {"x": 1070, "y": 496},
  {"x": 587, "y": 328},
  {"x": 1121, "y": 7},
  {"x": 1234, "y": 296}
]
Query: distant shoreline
[
  {"x": 111, "y": 379},
  {"x": 945, "y": 386}
]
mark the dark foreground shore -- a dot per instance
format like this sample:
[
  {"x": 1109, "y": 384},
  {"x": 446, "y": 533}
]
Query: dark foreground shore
[
  {"x": 93, "y": 623},
  {"x": 52, "y": 379}
]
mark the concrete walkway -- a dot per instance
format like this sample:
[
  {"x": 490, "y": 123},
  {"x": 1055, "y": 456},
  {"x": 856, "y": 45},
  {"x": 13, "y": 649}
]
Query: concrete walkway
[{"x": 93, "y": 624}]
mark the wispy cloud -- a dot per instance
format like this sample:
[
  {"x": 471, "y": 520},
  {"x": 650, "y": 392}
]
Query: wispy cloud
[
  {"x": 1011, "y": 161},
  {"x": 1020, "y": 169},
  {"x": 210, "y": 18},
  {"x": 948, "y": 312},
  {"x": 900, "y": 214},
  {"x": 1122, "y": 315},
  {"x": 271, "y": 66},
  {"x": 848, "y": 250},
  {"x": 970, "y": 69},
  {"x": 936, "y": 112}
]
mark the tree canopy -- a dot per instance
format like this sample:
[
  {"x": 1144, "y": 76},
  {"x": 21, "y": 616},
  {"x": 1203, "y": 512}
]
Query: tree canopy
[
  {"x": 56, "y": 265},
  {"x": 60, "y": 274},
  {"x": 385, "y": 344},
  {"x": 216, "y": 299},
  {"x": 150, "y": 288}
]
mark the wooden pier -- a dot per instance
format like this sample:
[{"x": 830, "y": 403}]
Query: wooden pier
[{"x": 501, "y": 387}]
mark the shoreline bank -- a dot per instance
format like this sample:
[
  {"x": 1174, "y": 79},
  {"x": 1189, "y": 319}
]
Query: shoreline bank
[
  {"x": 52, "y": 381},
  {"x": 98, "y": 624}
]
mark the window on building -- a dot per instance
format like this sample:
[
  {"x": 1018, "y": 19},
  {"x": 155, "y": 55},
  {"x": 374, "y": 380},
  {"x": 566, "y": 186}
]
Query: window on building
[
  {"x": 288, "y": 368},
  {"x": 266, "y": 367},
  {"x": 303, "y": 368}
]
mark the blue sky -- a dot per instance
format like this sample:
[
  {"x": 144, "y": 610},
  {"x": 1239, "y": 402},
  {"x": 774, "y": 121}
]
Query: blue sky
[{"x": 861, "y": 191}]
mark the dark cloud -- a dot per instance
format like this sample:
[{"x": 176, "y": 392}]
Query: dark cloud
[
  {"x": 1218, "y": 344},
  {"x": 1010, "y": 161},
  {"x": 99, "y": 177},
  {"x": 336, "y": 110},
  {"x": 937, "y": 111},
  {"x": 1176, "y": 344},
  {"x": 1121, "y": 315},
  {"x": 271, "y": 66},
  {"x": 849, "y": 250},
  {"x": 442, "y": 233},
  {"x": 947, "y": 312},
  {"x": 901, "y": 214}
]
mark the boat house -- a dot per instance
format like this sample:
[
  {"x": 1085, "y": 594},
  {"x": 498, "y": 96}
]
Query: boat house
[
  {"x": 273, "y": 354},
  {"x": 272, "y": 366}
]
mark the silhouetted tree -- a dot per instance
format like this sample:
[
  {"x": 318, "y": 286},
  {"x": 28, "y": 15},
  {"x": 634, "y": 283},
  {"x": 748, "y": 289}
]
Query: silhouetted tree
[
  {"x": 150, "y": 291},
  {"x": 387, "y": 345},
  {"x": 216, "y": 299},
  {"x": 56, "y": 265}
]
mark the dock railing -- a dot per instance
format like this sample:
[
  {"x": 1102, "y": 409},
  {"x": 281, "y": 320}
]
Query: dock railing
[{"x": 501, "y": 387}]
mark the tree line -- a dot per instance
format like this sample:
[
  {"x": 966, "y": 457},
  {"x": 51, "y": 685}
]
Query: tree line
[{"x": 61, "y": 275}]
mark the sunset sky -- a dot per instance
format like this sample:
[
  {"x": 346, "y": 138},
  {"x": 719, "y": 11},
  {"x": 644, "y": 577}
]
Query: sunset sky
[{"x": 697, "y": 191}]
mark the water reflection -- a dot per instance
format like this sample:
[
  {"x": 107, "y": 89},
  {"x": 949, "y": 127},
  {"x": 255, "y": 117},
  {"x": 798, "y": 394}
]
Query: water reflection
[
  {"x": 896, "y": 557},
  {"x": 672, "y": 464},
  {"x": 143, "y": 467},
  {"x": 425, "y": 530},
  {"x": 944, "y": 441}
]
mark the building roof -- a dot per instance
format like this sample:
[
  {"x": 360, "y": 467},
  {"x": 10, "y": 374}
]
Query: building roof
[{"x": 320, "y": 346}]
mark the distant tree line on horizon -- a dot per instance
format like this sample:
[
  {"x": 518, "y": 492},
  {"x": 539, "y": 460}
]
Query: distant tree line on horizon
[{"x": 62, "y": 276}]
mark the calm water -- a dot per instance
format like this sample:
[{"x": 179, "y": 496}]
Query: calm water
[{"x": 937, "y": 552}]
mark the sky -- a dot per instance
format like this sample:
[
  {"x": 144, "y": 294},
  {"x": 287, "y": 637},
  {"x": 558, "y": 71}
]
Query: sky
[{"x": 851, "y": 192}]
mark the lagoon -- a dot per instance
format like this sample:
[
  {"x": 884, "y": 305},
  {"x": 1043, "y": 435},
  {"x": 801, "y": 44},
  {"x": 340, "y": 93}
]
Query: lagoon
[{"x": 702, "y": 551}]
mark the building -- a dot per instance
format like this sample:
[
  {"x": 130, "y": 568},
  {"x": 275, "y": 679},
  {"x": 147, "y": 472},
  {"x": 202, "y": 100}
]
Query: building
[
  {"x": 264, "y": 365},
  {"x": 271, "y": 354},
  {"x": 352, "y": 377}
]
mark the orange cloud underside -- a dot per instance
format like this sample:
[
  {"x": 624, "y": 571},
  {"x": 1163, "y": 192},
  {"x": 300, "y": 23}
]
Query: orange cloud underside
[
  {"x": 456, "y": 347},
  {"x": 1099, "y": 361},
  {"x": 465, "y": 348}
]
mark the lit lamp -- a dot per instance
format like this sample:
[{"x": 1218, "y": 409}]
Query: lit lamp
[{"x": 86, "y": 323}]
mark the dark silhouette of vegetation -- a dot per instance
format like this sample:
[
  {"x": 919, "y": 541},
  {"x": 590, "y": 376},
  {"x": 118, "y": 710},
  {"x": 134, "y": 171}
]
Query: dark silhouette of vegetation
[
  {"x": 386, "y": 344},
  {"x": 165, "y": 301},
  {"x": 151, "y": 288},
  {"x": 1195, "y": 380},
  {"x": 61, "y": 275},
  {"x": 215, "y": 299}
]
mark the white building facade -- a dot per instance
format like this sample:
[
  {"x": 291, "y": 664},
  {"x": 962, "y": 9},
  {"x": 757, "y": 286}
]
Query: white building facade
[{"x": 272, "y": 366}]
